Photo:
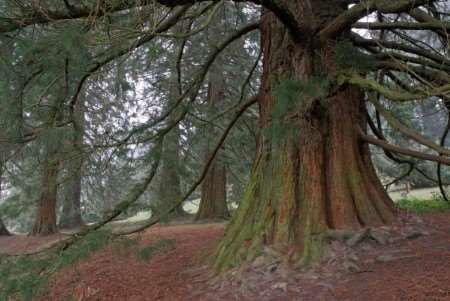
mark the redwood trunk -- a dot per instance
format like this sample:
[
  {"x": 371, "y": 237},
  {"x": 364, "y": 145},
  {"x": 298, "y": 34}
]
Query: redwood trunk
[
  {"x": 316, "y": 175},
  {"x": 45, "y": 222}
]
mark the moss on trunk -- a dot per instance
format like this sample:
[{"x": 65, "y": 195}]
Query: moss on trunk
[{"x": 312, "y": 173}]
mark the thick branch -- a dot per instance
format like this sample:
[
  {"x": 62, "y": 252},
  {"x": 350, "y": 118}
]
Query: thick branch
[
  {"x": 282, "y": 12},
  {"x": 42, "y": 14},
  {"x": 423, "y": 17},
  {"x": 400, "y": 150},
  {"x": 395, "y": 95},
  {"x": 360, "y": 41},
  {"x": 403, "y": 25},
  {"x": 345, "y": 20},
  {"x": 396, "y": 124}
]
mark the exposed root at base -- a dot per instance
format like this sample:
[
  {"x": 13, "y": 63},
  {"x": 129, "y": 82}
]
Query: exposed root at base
[{"x": 344, "y": 252}]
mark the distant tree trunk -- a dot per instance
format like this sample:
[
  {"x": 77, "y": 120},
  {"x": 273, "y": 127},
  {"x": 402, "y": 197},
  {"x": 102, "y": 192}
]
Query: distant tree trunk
[
  {"x": 315, "y": 174},
  {"x": 45, "y": 222},
  {"x": 213, "y": 202},
  {"x": 3, "y": 230},
  {"x": 71, "y": 212},
  {"x": 169, "y": 190}
]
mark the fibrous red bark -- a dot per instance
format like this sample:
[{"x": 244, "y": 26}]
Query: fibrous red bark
[{"x": 317, "y": 175}]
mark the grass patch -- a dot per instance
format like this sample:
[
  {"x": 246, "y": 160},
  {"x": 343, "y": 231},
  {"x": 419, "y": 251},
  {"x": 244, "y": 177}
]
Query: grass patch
[
  {"x": 146, "y": 253},
  {"x": 26, "y": 277},
  {"x": 435, "y": 204}
]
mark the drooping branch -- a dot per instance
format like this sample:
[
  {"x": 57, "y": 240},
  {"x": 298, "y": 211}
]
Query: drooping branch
[
  {"x": 384, "y": 44},
  {"x": 403, "y": 25},
  {"x": 398, "y": 125},
  {"x": 396, "y": 95},
  {"x": 41, "y": 13},
  {"x": 424, "y": 18},
  {"x": 400, "y": 150},
  {"x": 420, "y": 73},
  {"x": 414, "y": 60}
]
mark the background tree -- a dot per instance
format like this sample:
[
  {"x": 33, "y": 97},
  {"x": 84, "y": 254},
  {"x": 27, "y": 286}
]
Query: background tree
[{"x": 213, "y": 202}]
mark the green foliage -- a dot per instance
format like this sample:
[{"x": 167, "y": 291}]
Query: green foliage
[
  {"x": 21, "y": 277},
  {"x": 350, "y": 57},
  {"x": 25, "y": 277},
  {"x": 295, "y": 97},
  {"x": 94, "y": 241},
  {"x": 435, "y": 204},
  {"x": 146, "y": 253}
]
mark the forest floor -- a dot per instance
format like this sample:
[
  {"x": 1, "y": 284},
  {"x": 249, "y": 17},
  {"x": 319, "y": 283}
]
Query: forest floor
[{"x": 171, "y": 263}]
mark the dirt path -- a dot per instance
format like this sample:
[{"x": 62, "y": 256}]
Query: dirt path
[
  {"x": 169, "y": 275},
  {"x": 411, "y": 269}
]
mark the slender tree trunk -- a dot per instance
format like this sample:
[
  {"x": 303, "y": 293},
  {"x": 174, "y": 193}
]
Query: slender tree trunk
[
  {"x": 45, "y": 222},
  {"x": 3, "y": 230},
  {"x": 71, "y": 212},
  {"x": 213, "y": 202},
  {"x": 316, "y": 175},
  {"x": 169, "y": 190}
]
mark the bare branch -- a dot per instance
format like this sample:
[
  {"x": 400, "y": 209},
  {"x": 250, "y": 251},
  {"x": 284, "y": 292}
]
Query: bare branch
[
  {"x": 345, "y": 20},
  {"x": 403, "y": 25},
  {"x": 400, "y": 150}
]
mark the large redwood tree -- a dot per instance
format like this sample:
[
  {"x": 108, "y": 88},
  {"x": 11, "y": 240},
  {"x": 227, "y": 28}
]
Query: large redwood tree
[
  {"x": 315, "y": 174},
  {"x": 313, "y": 171}
]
